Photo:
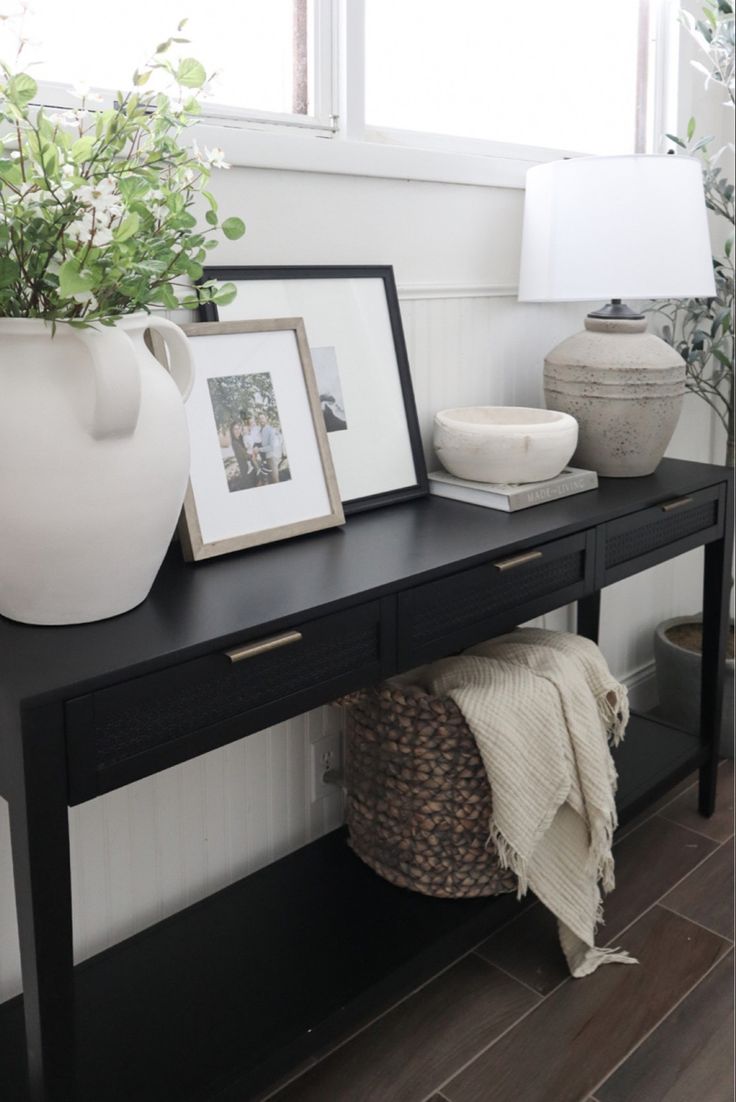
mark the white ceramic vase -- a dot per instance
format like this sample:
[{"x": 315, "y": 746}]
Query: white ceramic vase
[{"x": 94, "y": 461}]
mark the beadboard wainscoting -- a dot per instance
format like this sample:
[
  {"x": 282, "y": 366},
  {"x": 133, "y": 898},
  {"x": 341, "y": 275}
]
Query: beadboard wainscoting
[{"x": 145, "y": 851}]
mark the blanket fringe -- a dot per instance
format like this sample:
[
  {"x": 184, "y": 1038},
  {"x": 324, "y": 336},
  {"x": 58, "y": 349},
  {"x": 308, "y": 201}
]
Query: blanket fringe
[
  {"x": 510, "y": 859},
  {"x": 583, "y": 959},
  {"x": 613, "y": 707},
  {"x": 595, "y": 957},
  {"x": 601, "y": 861},
  {"x": 592, "y": 726}
]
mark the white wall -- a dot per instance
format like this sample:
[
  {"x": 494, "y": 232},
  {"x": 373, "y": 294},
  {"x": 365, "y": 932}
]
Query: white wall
[{"x": 147, "y": 850}]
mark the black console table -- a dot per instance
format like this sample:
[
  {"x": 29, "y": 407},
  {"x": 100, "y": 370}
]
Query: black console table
[{"x": 216, "y": 1000}]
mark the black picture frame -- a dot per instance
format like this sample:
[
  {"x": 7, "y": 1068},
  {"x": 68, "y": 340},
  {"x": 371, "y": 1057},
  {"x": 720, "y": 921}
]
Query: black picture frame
[{"x": 208, "y": 312}]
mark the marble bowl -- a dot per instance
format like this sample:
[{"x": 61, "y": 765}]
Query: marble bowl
[{"x": 504, "y": 443}]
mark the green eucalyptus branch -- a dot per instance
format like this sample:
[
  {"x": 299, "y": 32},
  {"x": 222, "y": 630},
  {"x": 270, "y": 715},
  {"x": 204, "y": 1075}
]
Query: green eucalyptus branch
[{"x": 95, "y": 203}]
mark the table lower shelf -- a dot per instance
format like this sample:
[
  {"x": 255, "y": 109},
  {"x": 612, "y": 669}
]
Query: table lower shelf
[
  {"x": 219, "y": 999},
  {"x": 653, "y": 757}
]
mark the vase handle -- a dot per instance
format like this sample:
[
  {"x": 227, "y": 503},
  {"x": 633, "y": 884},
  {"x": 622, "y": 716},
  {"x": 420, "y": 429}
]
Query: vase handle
[
  {"x": 117, "y": 381},
  {"x": 181, "y": 364}
]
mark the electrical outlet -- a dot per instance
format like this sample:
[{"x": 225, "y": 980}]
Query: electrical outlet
[{"x": 326, "y": 757}]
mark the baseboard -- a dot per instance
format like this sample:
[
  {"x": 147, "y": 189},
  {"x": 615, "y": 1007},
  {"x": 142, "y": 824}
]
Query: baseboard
[{"x": 642, "y": 686}]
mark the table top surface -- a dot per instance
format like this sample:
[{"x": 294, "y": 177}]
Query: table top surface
[{"x": 196, "y": 607}]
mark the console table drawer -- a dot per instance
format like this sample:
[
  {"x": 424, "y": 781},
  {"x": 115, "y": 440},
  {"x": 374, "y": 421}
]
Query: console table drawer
[
  {"x": 640, "y": 540},
  {"x": 130, "y": 730},
  {"x": 467, "y": 607}
]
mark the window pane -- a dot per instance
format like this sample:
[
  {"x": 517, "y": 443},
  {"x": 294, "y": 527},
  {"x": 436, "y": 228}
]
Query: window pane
[
  {"x": 558, "y": 73},
  {"x": 251, "y": 44}
]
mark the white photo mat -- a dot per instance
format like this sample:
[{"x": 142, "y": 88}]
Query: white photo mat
[
  {"x": 227, "y": 509},
  {"x": 363, "y": 396}
]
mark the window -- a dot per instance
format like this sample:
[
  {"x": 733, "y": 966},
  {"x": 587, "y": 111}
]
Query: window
[
  {"x": 266, "y": 53},
  {"x": 567, "y": 75},
  {"x": 466, "y": 90}
]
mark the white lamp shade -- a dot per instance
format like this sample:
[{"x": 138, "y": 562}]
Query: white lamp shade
[{"x": 597, "y": 228}]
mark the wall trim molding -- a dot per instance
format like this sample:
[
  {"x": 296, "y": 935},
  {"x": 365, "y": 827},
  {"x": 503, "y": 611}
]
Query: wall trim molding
[
  {"x": 455, "y": 162},
  {"x": 642, "y": 686},
  {"x": 413, "y": 291}
]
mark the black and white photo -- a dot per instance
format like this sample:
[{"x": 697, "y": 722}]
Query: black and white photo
[{"x": 330, "y": 389}]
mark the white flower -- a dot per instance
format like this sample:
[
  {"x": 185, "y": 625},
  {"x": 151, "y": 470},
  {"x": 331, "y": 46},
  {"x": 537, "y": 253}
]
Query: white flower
[
  {"x": 156, "y": 202},
  {"x": 75, "y": 117},
  {"x": 67, "y": 176},
  {"x": 216, "y": 157},
  {"x": 197, "y": 152},
  {"x": 212, "y": 87},
  {"x": 87, "y": 229},
  {"x": 82, "y": 91},
  {"x": 102, "y": 236},
  {"x": 86, "y": 298},
  {"x": 102, "y": 196},
  {"x": 81, "y": 230}
]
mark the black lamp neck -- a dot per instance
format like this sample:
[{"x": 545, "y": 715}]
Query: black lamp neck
[{"x": 617, "y": 310}]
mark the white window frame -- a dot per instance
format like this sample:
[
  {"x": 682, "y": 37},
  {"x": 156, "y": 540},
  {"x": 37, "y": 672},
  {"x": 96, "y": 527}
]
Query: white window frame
[
  {"x": 356, "y": 149},
  {"x": 323, "y": 121},
  {"x": 337, "y": 140}
]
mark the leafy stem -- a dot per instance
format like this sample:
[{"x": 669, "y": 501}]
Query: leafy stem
[
  {"x": 702, "y": 330},
  {"x": 96, "y": 204}
]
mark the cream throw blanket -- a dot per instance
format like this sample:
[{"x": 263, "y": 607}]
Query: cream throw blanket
[{"x": 542, "y": 706}]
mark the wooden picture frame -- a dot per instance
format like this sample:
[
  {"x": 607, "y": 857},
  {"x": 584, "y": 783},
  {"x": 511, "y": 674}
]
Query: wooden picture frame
[
  {"x": 272, "y": 478},
  {"x": 353, "y": 324}
]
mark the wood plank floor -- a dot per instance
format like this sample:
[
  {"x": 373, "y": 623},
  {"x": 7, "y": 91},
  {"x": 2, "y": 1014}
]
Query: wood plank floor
[{"x": 507, "y": 1024}]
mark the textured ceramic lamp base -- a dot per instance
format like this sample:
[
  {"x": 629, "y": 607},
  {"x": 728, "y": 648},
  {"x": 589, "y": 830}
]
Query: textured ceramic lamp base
[{"x": 625, "y": 389}]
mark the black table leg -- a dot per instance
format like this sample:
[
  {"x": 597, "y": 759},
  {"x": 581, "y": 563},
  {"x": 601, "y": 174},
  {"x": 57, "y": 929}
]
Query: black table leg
[
  {"x": 716, "y": 599},
  {"x": 39, "y": 827},
  {"x": 589, "y": 616}
]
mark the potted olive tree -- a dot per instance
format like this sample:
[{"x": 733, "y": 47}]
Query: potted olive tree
[
  {"x": 702, "y": 331},
  {"x": 96, "y": 231}
]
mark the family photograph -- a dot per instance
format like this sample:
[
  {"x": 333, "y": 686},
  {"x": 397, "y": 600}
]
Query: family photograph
[{"x": 249, "y": 431}]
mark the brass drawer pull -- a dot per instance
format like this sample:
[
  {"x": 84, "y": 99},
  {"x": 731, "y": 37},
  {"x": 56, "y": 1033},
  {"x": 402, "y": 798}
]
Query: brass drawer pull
[
  {"x": 518, "y": 560},
  {"x": 676, "y": 504},
  {"x": 250, "y": 650}
]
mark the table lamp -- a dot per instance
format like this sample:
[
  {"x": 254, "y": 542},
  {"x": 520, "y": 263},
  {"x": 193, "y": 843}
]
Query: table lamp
[{"x": 615, "y": 228}]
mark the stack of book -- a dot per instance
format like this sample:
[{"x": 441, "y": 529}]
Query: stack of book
[{"x": 508, "y": 496}]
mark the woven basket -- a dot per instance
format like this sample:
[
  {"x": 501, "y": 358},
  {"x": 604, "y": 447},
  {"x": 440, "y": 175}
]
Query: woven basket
[{"x": 418, "y": 798}]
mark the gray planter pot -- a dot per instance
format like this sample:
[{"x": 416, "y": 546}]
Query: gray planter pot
[{"x": 678, "y": 684}]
